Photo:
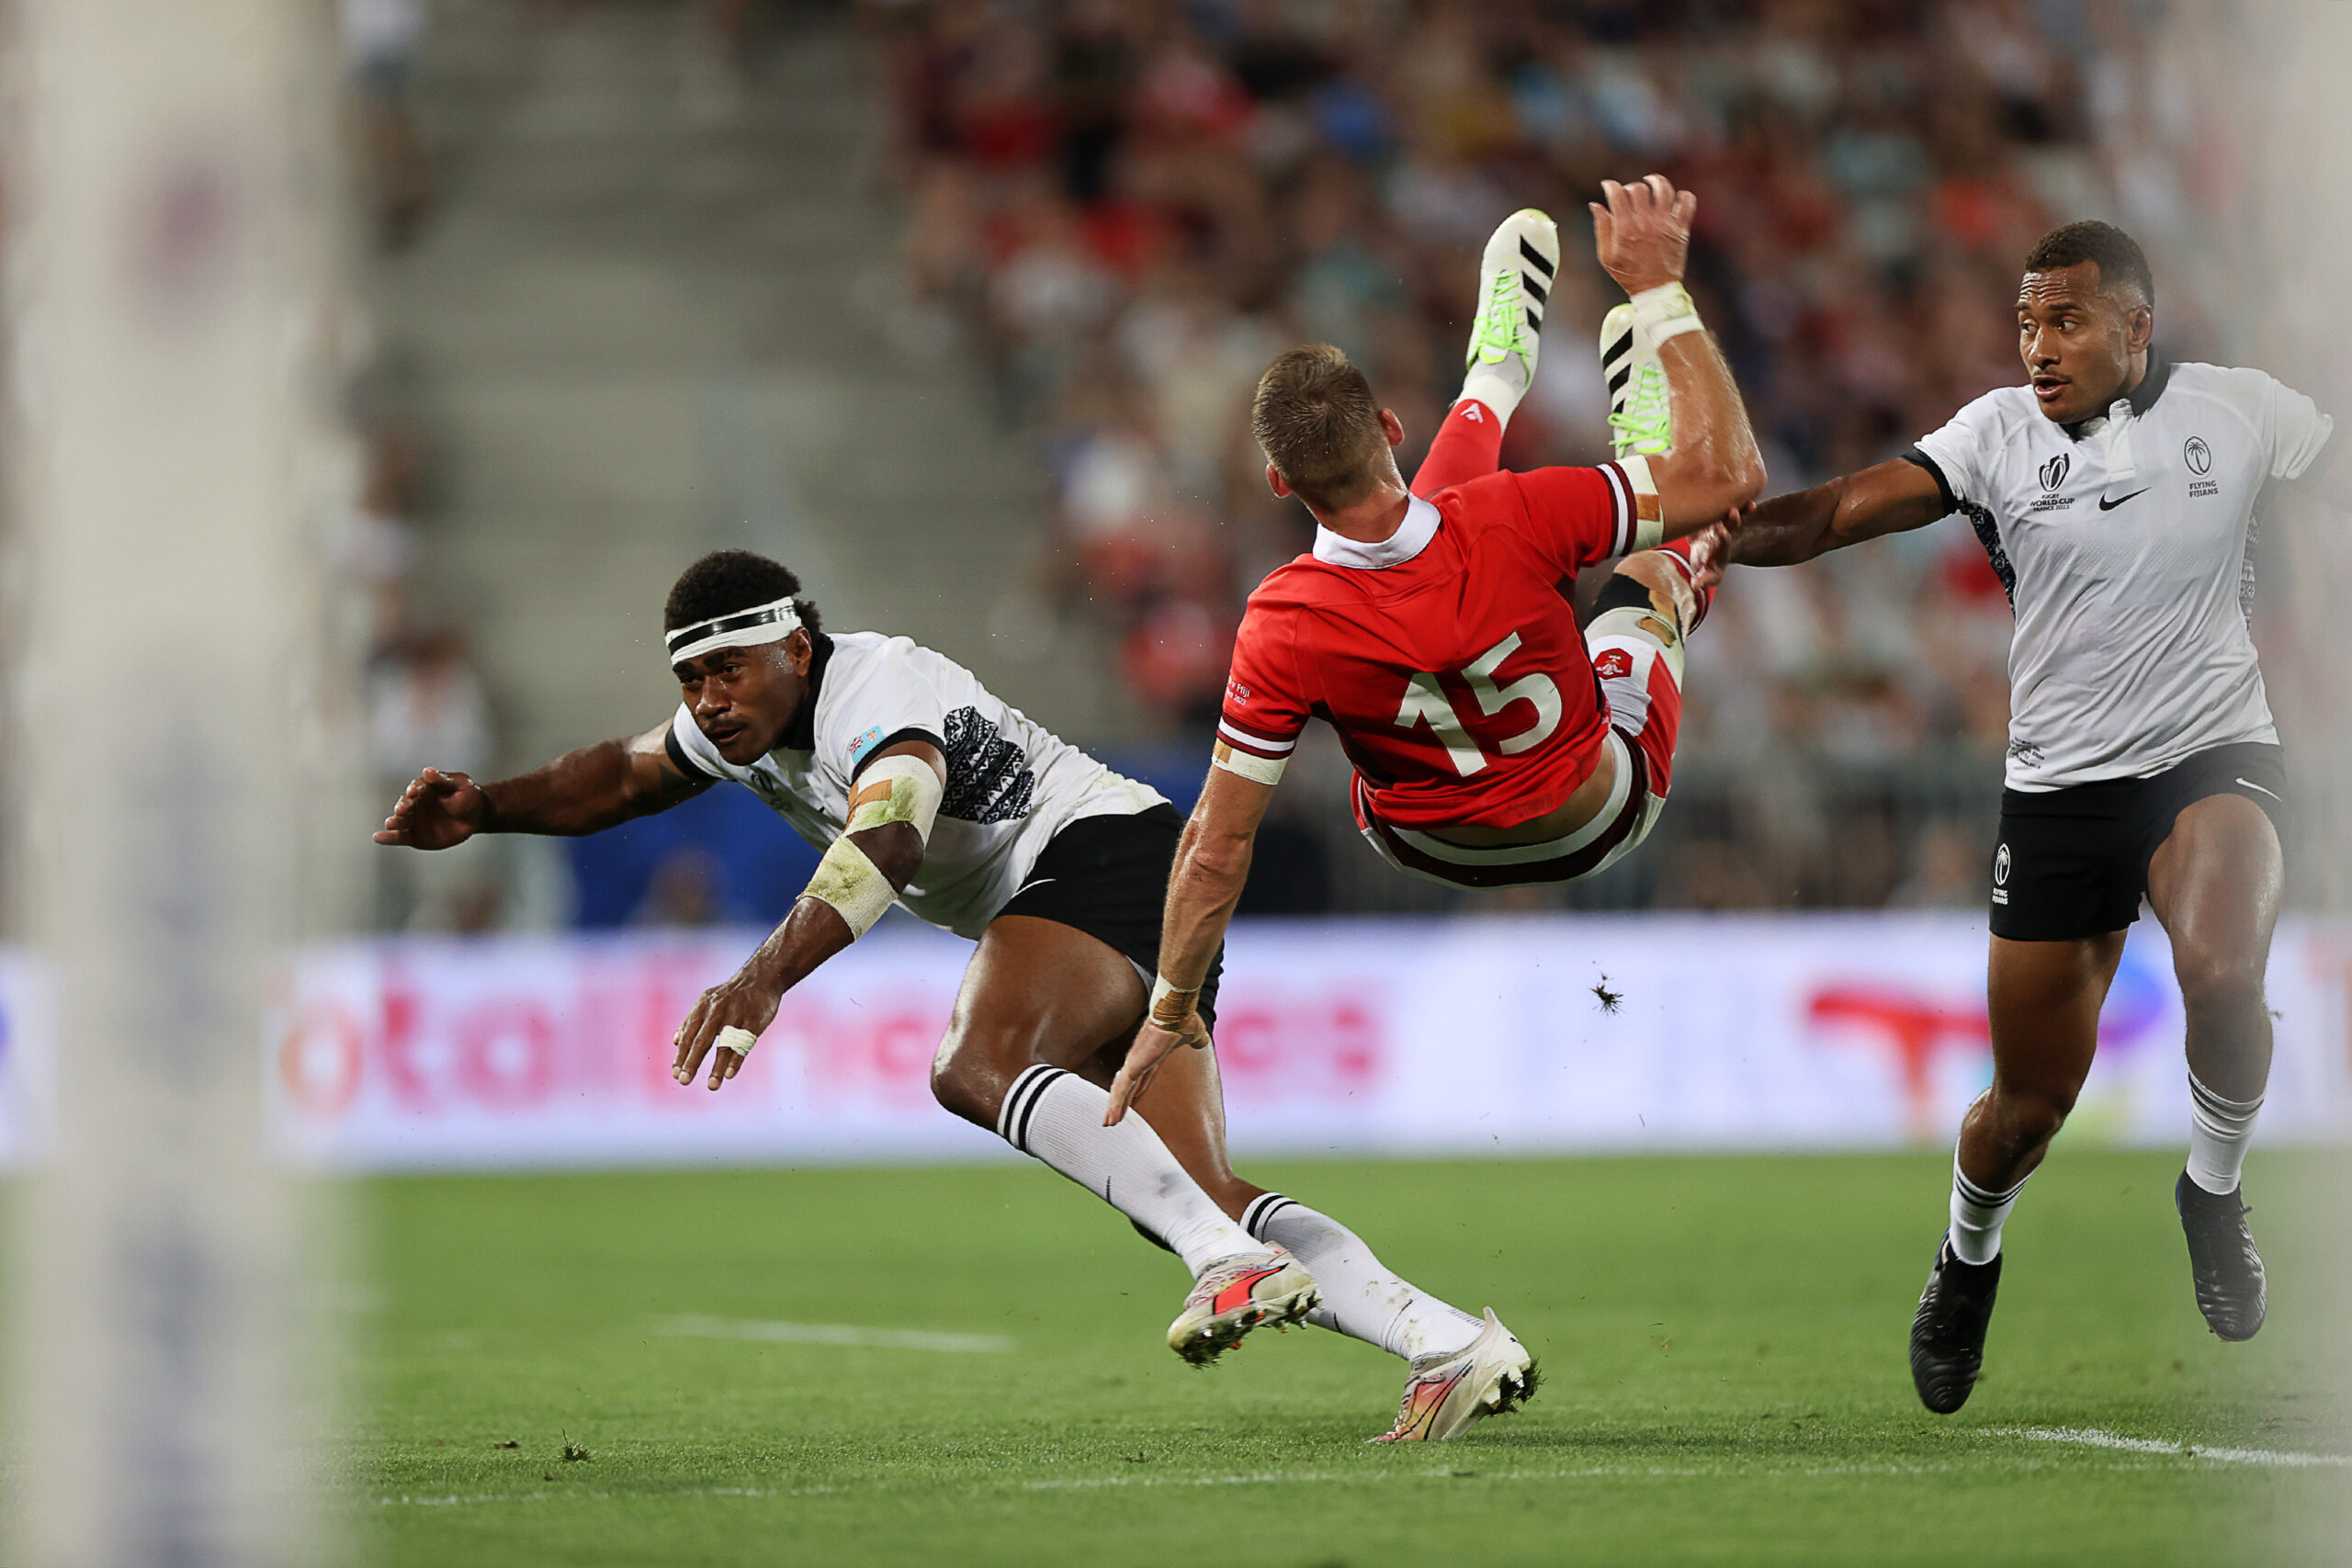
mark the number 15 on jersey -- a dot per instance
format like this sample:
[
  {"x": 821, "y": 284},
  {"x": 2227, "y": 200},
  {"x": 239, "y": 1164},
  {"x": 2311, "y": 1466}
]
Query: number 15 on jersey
[{"x": 1426, "y": 703}]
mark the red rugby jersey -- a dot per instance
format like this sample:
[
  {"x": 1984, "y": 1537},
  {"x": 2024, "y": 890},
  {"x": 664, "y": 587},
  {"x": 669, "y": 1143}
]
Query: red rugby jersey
[{"x": 1448, "y": 657}]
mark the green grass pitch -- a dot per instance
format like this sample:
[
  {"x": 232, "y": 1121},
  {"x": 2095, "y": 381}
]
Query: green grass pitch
[{"x": 1721, "y": 1341}]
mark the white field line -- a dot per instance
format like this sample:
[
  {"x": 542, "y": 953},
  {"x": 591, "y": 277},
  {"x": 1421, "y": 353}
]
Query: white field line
[
  {"x": 693, "y": 1328},
  {"x": 2094, "y": 1438},
  {"x": 2091, "y": 1437}
]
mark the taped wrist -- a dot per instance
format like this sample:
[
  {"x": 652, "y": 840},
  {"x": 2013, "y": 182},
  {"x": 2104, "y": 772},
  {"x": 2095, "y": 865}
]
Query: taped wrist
[
  {"x": 1665, "y": 312},
  {"x": 1649, "y": 513},
  {"x": 848, "y": 880},
  {"x": 1173, "y": 1005},
  {"x": 896, "y": 789}
]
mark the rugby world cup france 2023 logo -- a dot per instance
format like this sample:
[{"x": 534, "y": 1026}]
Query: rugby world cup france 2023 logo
[{"x": 2053, "y": 472}]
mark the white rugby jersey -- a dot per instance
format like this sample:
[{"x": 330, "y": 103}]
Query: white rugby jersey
[
  {"x": 1011, "y": 784},
  {"x": 2123, "y": 543}
]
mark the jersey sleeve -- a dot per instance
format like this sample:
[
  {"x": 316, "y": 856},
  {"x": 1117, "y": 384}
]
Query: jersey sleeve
[
  {"x": 2297, "y": 432},
  {"x": 1578, "y": 516},
  {"x": 1266, "y": 706},
  {"x": 889, "y": 698},
  {"x": 1958, "y": 456}
]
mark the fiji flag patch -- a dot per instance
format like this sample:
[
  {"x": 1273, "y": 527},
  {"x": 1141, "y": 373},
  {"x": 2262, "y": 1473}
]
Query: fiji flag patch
[{"x": 863, "y": 744}]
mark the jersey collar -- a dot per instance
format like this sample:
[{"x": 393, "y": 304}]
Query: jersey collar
[
  {"x": 2142, "y": 397},
  {"x": 800, "y": 734},
  {"x": 1411, "y": 538}
]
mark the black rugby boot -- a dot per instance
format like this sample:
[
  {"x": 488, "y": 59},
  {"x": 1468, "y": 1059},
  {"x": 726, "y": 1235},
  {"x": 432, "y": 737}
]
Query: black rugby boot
[
  {"x": 1948, "y": 1335},
  {"x": 2232, "y": 1291}
]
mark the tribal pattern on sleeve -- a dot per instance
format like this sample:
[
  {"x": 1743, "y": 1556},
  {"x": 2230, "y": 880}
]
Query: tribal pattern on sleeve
[{"x": 986, "y": 779}]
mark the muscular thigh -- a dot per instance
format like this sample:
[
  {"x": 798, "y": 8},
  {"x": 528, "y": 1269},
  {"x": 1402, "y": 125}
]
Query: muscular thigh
[
  {"x": 2215, "y": 881},
  {"x": 2041, "y": 1001},
  {"x": 1036, "y": 990}
]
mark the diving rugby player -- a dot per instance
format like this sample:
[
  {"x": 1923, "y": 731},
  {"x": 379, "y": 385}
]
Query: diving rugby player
[
  {"x": 924, "y": 790},
  {"x": 2114, "y": 493},
  {"x": 1495, "y": 741}
]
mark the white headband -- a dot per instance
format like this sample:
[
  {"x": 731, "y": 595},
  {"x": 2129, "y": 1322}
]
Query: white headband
[{"x": 737, "y": 628}]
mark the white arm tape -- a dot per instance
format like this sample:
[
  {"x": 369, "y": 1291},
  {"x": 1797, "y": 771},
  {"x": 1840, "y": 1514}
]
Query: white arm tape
[
  {"x": 739, "y": 1041},
  {"x": 1256, "y": 769},
  {"x": 1665, "y": 312},
  {"x": 912, "y": 794},
  {"x": 1649, "y": 513},
  {"x": 852, "y": 885}
]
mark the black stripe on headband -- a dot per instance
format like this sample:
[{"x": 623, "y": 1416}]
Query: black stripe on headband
[{"x": 720, "y": 625}]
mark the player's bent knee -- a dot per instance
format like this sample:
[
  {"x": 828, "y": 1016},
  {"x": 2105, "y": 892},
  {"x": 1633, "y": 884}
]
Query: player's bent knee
[
  {"x": 2218, "y": 982},
  {"x": 2032, "y": 1117}
]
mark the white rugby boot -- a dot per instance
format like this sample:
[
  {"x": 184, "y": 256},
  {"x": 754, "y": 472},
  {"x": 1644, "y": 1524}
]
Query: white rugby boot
[
  {"x": 1236, "y": 1294},
  {"x": 1515, "y": 280},
  {"x": 1492, "y": 1375},
  {"x": 1640, "y": 419}
]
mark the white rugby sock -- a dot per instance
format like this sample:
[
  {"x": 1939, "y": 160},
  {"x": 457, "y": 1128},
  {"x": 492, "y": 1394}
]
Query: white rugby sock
[
  {"x": 1977, "y": 1217},
  {"x": 2219, "y": 1131},
  {"x": 1057, "y": 1117},
  {"x": 1360, "y": 1298}
]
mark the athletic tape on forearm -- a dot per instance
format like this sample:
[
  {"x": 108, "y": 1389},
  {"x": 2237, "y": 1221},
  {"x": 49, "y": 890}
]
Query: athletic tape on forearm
[
  {"x": 852, "y": 885},
  {"x": 1256, "y": 770},
  {"x": 1665, "y": 312},
  {"x": 1649, "y": 513},
  {"x": 896, "y": 789}
]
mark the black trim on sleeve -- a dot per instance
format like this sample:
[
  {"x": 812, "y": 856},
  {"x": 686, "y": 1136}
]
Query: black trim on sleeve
[
  {"x": 911, "y": 732},
  {"x": 1913, "y": 455},
  {"x": 683, "y": 760}
]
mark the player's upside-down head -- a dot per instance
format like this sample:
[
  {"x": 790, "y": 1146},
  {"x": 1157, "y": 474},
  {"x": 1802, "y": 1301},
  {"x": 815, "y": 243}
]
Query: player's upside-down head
[
  {"x": 740, "y": 644},
  {"x": 1327, "y": 440},
  {"x": 2085, "y": 312}
]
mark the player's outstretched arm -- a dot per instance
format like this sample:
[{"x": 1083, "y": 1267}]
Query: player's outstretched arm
[
  {"x": 881, "y": 850},
  {"x": 1642, "y": 234},
  {"x": 1891, "y": 498},
  {"x": 581, "y": 792},
  {"x": 1204, "y": 885}
]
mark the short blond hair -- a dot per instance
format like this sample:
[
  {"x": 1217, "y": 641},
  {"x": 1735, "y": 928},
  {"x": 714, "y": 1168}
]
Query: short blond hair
[{"x": 1315, "y": 420}]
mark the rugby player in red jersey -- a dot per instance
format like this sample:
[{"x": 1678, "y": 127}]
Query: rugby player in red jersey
[{"x": 1495, "y": 741}]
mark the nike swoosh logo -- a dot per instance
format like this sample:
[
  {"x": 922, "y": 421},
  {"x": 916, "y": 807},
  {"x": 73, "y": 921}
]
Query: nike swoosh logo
[
  {"x": 2271, "y": 792},
  {"x": 2107, "y": 505}
]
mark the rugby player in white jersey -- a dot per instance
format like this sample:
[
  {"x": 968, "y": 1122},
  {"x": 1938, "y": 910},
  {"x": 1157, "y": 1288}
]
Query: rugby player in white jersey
[
  {"x": 924, "y": 790},
  {"x": 2114, "y": 493}
]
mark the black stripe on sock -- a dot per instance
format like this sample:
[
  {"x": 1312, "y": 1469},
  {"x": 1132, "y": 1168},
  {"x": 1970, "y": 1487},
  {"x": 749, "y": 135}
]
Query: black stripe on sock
[
  {"x": 1045, "y": 1080},
  {"x": 1530, "y": 251},
  {"x": 1977, "y": 1195},
  {"x": 2233, "y": 1109},
  {"x": 1262, "y": 1208},
  {"x": 1011, "y": 1119}
]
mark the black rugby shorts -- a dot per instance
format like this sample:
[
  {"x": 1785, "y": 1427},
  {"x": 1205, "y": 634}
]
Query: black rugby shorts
[
  {"x": 1108, "y": 877},
  {"x": 2074, "y": 863}
]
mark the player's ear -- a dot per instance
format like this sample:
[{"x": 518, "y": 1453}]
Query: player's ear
[
  {"x": 1392, "y": 427},
  {"x": 798, "y": 651},
  {"x": 1275, "y": 482},
  {"x": 2139, "y": 326}
]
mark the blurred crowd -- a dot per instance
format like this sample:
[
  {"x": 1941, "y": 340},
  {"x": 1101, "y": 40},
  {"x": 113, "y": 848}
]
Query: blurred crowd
[{"x": 1132, "y": 205}]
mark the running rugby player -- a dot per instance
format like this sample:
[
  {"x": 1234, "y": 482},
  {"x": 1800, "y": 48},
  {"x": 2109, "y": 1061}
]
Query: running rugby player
[
  {"x": 1494, "y": 742},
  {"x": 2114, "y": 493},
  {"x": 924, "y": 790}
]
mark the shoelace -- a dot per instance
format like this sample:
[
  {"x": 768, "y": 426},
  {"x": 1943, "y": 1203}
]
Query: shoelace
[
  {"x": 1645, "y": 423},
  {"x": 1499, "y": 329}
]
